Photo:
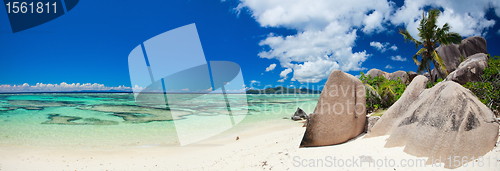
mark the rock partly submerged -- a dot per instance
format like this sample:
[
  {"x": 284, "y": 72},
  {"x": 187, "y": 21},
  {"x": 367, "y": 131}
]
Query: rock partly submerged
[
  {"x": 340, "y": 113},
  {"x": 445, "y": 120},
  {"x": 299, "y": 114},
  {"x": 73, "y": 120},
  {"x": 138, "y": 114}
]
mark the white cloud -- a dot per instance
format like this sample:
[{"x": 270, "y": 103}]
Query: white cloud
[
  {"x": 63, "y": 87},
  {"x": 377, "y": 45},
  {"x": 285, "y": 72},
  {"x": 382, "y": 47},
  {"x": 136, "y": 88},
  {"x": 270, "y": 67},
  {"x": 327, "y": 29},
  {"x": 373, "y": 22},
  {"x": 326, "y": 33},
  {"x": 394, "y": 47},
  {"x": 388, "y": 67},
  {"x": 498, "y": 32},
  {"x": 307, "y": 15},
  {"x": 465, "y": 17},
  {"x": 311, "y": 50},
  {"x": 254, "y": 83},
  {"x": 398, "y": 58}
]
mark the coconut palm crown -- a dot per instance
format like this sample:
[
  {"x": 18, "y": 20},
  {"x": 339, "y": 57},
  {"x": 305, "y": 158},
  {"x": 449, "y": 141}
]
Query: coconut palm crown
[{"x": 431, "y": 36}]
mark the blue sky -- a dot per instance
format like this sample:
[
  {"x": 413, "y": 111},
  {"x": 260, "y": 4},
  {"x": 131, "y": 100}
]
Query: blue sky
[{"x": 304, "y": 40}]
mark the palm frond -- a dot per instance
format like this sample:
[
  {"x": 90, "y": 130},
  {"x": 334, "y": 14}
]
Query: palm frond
[
  {"x": 419, "y": 53},
  {"x": 407, "y": 36},
  {"x": 372, "y": 91},
  {"x": 454, "y": 37},
  {"x": 440, "y": 61},
  {"x": 431, "y": 36},
  {"x": 425, "y": 63}
]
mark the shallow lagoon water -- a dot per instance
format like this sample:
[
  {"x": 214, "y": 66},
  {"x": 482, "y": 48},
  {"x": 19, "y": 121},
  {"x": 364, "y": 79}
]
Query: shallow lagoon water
[{"x": 109, "y": 120}]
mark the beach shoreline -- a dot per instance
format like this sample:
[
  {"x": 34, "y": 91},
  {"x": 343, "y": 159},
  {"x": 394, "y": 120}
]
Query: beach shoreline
[{"x": 273, "y": 145}]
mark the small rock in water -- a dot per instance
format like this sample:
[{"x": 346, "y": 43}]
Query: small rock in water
[{"x": 299, "y": 114}]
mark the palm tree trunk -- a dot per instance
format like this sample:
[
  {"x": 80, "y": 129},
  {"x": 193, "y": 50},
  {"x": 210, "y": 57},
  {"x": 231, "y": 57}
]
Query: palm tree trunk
[
  {"x": 429, "y": 71},
  {"x": 437, "y": 66}
]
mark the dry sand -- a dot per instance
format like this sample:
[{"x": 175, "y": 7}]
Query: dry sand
[{"x": 270, "y": 146}]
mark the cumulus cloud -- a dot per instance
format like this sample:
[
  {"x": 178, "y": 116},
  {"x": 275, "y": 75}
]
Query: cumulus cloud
[
  {"x": 252, "y": 84},
  {"x": 63, "y": 87},
  {"x": 465, "y": 17},
  {"x": 398, "y": 58},
  {"x": 382, "y": 47},
  {"x": 377, "y": 45},
  {"x": 327, "y": 29},
  {"x": 388, "y": 67},
  {"x": 394, "y": 47},
  {"x": 326, "y": 33},
  {"x": 284, "y": 74},
  {"x": 270, "y": 67},
  {"x": 373, "y": 22}
]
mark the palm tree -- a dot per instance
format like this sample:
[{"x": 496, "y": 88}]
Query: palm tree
[
  {"x": 431, "y": 36},
  {"x": 380, "y": 92}
]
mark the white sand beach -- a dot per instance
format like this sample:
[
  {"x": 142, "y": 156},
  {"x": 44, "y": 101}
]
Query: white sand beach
[{"x": 268, "y": 146}]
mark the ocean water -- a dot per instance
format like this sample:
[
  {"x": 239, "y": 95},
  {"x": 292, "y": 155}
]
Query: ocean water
[{"x": 112, "y": 120}]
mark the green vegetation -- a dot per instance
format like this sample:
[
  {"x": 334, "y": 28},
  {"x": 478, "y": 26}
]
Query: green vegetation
[
  {"x": 430, "y": 84},
  {"x": 379, "y": 112},
  {"x": 381, "y": 93},
  {"x": 488, "y": 88},
  {"x": 431, "y": 37}
]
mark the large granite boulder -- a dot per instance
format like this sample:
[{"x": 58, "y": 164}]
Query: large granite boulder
[
  {"x": 299, "y": 114},
  {"x": 376, "y": 72},
  {"x": 390, "y": 76},
  {"x": 469, "y": 70},
  {"x": 411, "y": 76},
  {"x": 473, "y": 45},
  {"x": 427, "y": 75},
  {"x": 450, "y": 55},
  {"x": 340, "y": 113},
  {"x": 387, "y": 122},
  {"x": 399, "y": 74},
  {"x": 435, "y": 75},
  {"x": 445, "y": 120},
  {"x": 370, "y": 122}
]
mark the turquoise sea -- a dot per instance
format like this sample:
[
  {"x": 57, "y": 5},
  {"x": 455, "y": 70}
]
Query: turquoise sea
[{"x": 111, "y": 119}]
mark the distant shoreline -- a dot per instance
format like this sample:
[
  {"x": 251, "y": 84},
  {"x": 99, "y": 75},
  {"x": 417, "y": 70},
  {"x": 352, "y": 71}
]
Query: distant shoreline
[
  {"x": 275, "y": 90},
  {"x": 101, "y": 92}
]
